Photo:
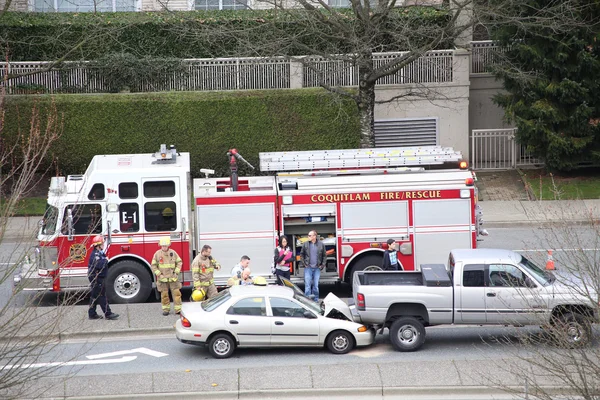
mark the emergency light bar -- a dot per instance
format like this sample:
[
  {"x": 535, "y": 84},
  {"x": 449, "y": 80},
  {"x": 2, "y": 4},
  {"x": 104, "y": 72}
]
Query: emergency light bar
[{"x": 358, "y": 158}]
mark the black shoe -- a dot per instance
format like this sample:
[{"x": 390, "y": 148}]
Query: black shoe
[
  {"x": 96, "y": 316},
  {"x": 112, "y": 316},
  {"x": 165, "y": 313}
]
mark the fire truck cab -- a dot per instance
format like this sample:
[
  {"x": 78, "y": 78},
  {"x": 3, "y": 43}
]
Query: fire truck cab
[{"x": 131, "y": 199}]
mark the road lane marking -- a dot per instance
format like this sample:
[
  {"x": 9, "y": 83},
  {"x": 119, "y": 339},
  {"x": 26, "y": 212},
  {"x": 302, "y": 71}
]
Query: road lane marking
[
  {"x": 142, "y": 350},
  {"x": 69, "y": 363}
]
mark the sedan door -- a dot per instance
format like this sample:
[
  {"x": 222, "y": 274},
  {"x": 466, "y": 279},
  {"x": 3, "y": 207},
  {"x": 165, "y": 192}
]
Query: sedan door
[
  {"x": 290, "y": 326},
  {"x": 248, "y": 320}
]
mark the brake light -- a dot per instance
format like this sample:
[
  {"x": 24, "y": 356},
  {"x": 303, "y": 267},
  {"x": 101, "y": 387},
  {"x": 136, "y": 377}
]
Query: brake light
[
  {"x": 469, "y": 182},
  {"x": 360, "y": 301},
  {"x": 185, "y": 322}
]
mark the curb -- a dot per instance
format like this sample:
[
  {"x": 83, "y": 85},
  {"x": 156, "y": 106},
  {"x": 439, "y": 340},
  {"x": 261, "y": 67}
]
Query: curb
[
  {"x": 117, "y": 333},
  {"x": 409, "y": 392}
]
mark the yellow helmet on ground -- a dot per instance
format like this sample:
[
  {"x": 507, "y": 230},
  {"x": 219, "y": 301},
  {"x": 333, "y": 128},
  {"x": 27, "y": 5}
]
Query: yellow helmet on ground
[
  {"x": 198, "y": 295},
  {"x": 164, "y": 241},
  {"x": 260, "y": 281},
  {"x": 167, "y": 212}
]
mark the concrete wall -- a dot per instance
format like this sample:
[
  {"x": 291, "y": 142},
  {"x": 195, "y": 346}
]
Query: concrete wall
[
  {"x": 448, "y": 102},
  {"x": 483, "y": 113}
]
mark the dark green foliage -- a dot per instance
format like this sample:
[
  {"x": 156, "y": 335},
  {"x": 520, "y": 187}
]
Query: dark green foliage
[
  {"x": 185, "y": 34},
  {"x": 206, "y": 124},
  {"x": 552, "y": 81}
]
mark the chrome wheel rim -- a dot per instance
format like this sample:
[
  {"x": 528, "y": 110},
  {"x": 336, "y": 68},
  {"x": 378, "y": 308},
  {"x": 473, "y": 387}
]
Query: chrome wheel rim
[
  {"x": 407, "y": 334},
  {"x": 222, "y": 346},
  {"x": 127, "y": 285},
  {"x": 340, "y": 342},
  {"x": 373, "y": 268}
]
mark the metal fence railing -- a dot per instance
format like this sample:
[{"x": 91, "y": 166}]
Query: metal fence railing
[
  {"x": 483, "y": 54},
  {"x": 222, "y": 74},
  {"x": 498, "y": 149}
]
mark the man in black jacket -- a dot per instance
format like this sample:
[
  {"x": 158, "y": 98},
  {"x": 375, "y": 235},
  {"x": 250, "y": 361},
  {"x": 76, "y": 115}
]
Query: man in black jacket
[
  {"x": 97, "y": 269},
  {"x": 390, "y": 258},
  {"x": 314, "y": 258}
]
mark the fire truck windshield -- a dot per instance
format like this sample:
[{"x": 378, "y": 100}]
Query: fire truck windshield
[{"x": 50, "y": 221}]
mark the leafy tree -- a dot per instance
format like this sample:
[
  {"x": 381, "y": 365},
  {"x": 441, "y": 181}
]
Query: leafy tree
[{"x": 551, "y": 76}]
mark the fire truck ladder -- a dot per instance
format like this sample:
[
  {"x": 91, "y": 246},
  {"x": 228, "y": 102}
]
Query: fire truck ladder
[{"x": 359, "y": 158}]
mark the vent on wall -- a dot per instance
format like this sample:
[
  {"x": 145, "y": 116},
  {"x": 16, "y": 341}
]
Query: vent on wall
[{"x": 406, "y": 132}]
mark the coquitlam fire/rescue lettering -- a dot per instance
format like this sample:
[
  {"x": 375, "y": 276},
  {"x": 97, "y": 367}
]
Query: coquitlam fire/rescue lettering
[
  {"x": 417, "y": 194},
  {"x": 330, "y": 198}
]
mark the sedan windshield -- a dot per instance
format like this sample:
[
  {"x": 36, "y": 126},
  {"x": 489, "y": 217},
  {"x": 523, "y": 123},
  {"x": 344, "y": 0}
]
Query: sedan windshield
[
  {"x": 216, "y": 301},
  {"x": 542, "y": 276},
  {"x": 49, "y": 221},
  {"x": 308, "y": 303}
]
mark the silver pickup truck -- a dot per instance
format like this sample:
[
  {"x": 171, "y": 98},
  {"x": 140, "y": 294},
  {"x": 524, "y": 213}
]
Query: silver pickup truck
[{"x": 480, "y": 286}]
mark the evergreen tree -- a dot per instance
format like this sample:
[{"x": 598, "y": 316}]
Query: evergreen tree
[{"x": 551, "y": 76}]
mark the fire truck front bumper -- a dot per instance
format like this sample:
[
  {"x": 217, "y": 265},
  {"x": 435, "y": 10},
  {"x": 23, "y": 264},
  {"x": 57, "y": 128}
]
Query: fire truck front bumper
[{"x": 29, "y": 278}]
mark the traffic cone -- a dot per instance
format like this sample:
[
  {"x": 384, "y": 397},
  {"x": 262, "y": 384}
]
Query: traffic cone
[{"x": 550, "y": 261}]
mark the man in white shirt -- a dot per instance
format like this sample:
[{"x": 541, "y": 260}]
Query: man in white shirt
[{"x": 244, "y": 263}]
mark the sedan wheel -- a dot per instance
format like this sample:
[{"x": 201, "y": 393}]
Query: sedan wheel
[
  {"x": 340, "y": 342},
  {"x": 221, "y": 346}
]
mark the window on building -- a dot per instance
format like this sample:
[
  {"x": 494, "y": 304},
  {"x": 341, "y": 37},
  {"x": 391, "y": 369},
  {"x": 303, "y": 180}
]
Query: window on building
[
  {"x": 159, "y": 189},
  {"x": 160, "y": 216},
  {"x": 128, "y": 190},
  {"x": 97, "y": 192},
  {"x": 473, "y": 275},
  {"x": 251, "y": 306},
  {"x": 129, "y": 217},
  {"x": 339, "y": 3},
  {"x": 221, "y": 4},
  {"x": 84, "y": 5},
  {"x": 87, "y": 219}
]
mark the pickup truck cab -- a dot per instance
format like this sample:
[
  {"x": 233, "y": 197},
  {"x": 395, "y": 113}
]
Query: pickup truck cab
[{"x": 479, "y": 286}]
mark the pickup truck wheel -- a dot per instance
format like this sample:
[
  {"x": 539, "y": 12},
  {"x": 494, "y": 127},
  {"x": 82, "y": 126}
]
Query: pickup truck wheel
[
  {"x": 572, "y": 330},
  {"x": 407, "y": 334},
  {"x": 128, "y": 282},
  {"x": 340, "y": 342}
]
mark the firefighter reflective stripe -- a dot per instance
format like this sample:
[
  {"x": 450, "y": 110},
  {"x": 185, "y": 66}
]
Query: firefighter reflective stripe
[
  {"x": 166, "y": 266},
  {"x": 163, "y": 280},
  {"x": 157, "y": 272},
  {"x": 198, "y": 283},
  {"x": 177, "y": 271}
]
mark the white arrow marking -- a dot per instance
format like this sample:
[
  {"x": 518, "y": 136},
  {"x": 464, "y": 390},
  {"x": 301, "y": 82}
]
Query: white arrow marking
[
  {"x": 69, "y": 363},
  {"x": 142, "y": 350}
]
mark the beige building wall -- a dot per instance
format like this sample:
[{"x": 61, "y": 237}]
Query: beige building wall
[{"x": 483, "y": 113}]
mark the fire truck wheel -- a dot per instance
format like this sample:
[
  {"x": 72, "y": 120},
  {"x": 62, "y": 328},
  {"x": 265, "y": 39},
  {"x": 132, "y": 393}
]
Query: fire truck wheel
[
  {"x": 371, "y": 262},
  {"x": 128, "y": 282},
  {"x": 407, "y": 334}
]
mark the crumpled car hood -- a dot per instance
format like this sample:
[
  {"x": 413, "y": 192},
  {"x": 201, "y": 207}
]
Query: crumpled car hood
[{"x": 333, "y": 303}]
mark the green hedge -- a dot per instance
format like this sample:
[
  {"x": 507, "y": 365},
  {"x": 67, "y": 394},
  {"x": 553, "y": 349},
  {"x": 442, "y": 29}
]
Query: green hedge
[
  {"x": 191, "y": 34},
  {"x": 206, "y": 124}
]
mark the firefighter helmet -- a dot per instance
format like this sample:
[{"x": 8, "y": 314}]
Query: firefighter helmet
[
  {"x": 167, "y": 212},
  {"x": 164, "y": 241},
  {"x": 198, "y": 295},
  {"x": 98, "y": 239},
  {"x": 260, "y": 281}
]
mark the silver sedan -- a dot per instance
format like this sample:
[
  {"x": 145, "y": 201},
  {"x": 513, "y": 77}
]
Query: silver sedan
[{"x": 268, "y": 316}]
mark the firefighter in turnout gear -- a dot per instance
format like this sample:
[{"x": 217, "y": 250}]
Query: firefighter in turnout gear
[
  {"x": 203, "y": 268},
  {"x": 166, "y": 265}
]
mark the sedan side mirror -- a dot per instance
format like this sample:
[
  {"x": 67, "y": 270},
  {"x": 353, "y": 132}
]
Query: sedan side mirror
[{"x": 309, "y": 315}]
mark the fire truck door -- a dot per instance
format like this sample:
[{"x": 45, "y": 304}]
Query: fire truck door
[
  {"x": 163, "y": 210},
  {"x": 439, "y": 227}
]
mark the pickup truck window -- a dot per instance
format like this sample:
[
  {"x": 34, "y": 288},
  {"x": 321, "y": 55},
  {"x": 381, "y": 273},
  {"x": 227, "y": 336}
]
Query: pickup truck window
[
  {"x": 505, "y": 275},
  {"x": 473, "y": 275},
  {"x": 544, "y": 277}
]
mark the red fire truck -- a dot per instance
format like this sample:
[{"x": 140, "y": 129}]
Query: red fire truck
[{"x": 355, "y": 199}]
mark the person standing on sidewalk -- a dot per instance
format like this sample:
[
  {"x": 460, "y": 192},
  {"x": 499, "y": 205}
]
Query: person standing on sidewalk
[
  {"x": 166, "y": 265},
  {"x": 390, "y": 258},
  {"x": 314, "y": 257},
  {"x": 203, "y": 268},
  {"x": 97, "y": 270},
  {"x": 282, "y": 259}
]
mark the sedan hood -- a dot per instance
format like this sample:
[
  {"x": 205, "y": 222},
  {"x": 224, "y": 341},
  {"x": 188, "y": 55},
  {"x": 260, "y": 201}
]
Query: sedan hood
[{"x": 335, "y": 306}]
